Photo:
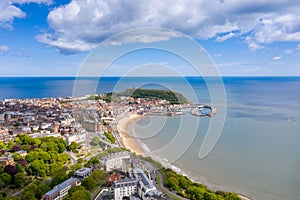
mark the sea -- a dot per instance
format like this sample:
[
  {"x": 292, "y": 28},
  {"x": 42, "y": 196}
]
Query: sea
[{"x": 255, "y": 150}]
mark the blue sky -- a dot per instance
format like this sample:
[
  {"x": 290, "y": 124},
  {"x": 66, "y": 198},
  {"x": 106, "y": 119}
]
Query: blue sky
[{"x": 52, "y": 38}]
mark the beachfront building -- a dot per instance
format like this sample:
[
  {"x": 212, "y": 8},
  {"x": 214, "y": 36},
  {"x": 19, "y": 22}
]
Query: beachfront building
[
  {"x": 114, "y": 160},
  {"x": 124, "y": 188},
  {"x": 83, "y": 172},
  {"x": 60, "y": 191},
  {"x": 145, "y": 188}
]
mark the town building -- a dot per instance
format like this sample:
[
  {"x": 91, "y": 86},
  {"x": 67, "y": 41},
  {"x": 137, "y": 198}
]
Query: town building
[
  {"x": 124, "y": 188},
  {"x": 83, "y": 172},
  {"x": 90, "y": 125},
  {"x": 60, "y": 191},
  {"x": 4, "y": 161},
  {"x": 114, "y": 160},
  {"x": 145, "y": 187},
  {"x": 112, "y": 178},
  {"x": 76, "y": 137},
  {"x": 126, "y": 165}
]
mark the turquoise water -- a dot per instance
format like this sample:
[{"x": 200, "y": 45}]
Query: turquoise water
[{"x": 258, "y": 151}]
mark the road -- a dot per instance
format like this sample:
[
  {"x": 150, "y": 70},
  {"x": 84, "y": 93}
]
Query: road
[{"x": 161, "y": 187}]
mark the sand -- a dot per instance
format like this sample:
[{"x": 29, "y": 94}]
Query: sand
[{"x": 127, "y": 139}]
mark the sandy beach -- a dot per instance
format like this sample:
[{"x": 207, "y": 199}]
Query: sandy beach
[{"x": 129, "y": 141}]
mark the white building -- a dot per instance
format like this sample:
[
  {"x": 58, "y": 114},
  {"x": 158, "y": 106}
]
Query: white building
[
  {"x": 83, "y": 172},
  {"x": 76, "y": 137},
  {"x": 114, "y": 160},
  {"x": 145, "y": 186},
  {"x": 124, "y": 188},
  {"x": 60, "y": 191}
]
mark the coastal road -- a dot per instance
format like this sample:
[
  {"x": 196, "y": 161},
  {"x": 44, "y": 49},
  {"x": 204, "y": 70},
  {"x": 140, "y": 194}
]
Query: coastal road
[{"x": 161, "y": 187}]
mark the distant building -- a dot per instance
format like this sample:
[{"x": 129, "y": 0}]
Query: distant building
[
  {"x": 124, "y": 188},
  {"x": 83, "y": 172},
  {"x": 4, "y": 161},
  {"x": 112, "y": 178},
  {"x": 90, "y": 125},
  {"x": 76, "y": 137},
  {"x": 61, "y": 190},
  {"x": 22, "y": 153},
  {"x": 114, "y": 160},
  {"x": 126, "y": 165}
]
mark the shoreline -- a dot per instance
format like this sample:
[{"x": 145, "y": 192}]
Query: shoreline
[{"x": 130, "y": 142}]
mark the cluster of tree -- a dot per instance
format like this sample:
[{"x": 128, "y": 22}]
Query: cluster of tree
[
  {"x": 188, "y": 189},
  {"x": 37, "y": 188},
  {"x": 171, "y": 96},
  {"x": 45, "y": 157},
  {"x": 73, "y": 146},
  {"x": 110, "y": 137}
]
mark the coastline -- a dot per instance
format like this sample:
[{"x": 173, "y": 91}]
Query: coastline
[
  {"x": 127, "y": 139},
  {"x": 130, "y": 142}
]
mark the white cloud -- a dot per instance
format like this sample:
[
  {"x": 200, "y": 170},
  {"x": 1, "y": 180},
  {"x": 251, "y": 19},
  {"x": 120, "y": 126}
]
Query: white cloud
[
  {"x": 225, "y": 37},
  {"x": 298, "y": 47},
  {"x": 277, "y": 58},
  {"x": 144, "y": 36},
  {"x": 89, "y": 22},
  {"x": 9, "y": 10},
  {"x": 252, "y": 44},
  {"x": 4, "y": 48},
  {"x": 66, "y": 45}
]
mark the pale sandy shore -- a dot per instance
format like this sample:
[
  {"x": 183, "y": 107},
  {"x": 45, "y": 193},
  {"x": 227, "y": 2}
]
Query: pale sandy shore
[{"x": 127, "y": 139}]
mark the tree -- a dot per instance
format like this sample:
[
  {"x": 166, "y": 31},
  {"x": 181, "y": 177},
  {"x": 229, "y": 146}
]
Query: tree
[
  {"x": 73, "y": 146},
  {"x": 2, "y": 145},
  {"x": 44, "y": 156},
  {"x": 31, "y": 156},
  {"x": 29, "y": 192},
  {"x": 17, "y": 156},
  {"x": 41, "y": 189},
  {"x": 10, "y": 145},
  {"x": 11, "y": 170},
  {"x": 26, "y": 147},
  {"x": 74, "y": 189},
  {"x": 58, "y": 178},
  {"x": 95, "y": 141},
  {"x": 16, "y": 148},
  {"x": 19, "y": 179},
  {"x": 80, "y": 195},
  {"x": 92, "y": 162},
  {"x": 29, "y": 195},
  {"x": 23, "y": 162},
  {"x": 89, "y": 183},
  {"x": 99, "y": 176},
  {"x": 6, "y": 178},
  {"x": 172, "y": 183},
  {"x": 19, "y": 168},
  {"x": 2, "y": 184}
]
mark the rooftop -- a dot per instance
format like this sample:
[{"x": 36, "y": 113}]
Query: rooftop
[{"x": 61, "y": 186}]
